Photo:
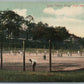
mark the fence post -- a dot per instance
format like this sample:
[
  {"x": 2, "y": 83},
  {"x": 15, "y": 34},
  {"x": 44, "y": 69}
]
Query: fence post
[
  {"x": 1, "y": 55},
  {"x": 50, "y": 55},
  {"x": 23, "y": 55}
]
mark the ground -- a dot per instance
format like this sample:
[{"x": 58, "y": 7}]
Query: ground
[{"x": 14, "y": 61}]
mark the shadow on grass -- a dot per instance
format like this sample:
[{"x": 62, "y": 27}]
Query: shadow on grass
[
  {"x": 56, "y": 67},
  {"x": 76, "y": 70}
]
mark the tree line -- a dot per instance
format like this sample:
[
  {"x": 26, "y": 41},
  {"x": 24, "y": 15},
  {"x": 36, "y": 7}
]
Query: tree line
[
  {"x": 15, "y": 26},
  {"x": 12, "y": 24}
]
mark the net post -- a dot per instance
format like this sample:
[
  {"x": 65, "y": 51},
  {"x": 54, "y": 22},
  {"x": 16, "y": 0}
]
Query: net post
[
  {"x": 50, "y": 56},
  {"x": 1, "y": 55},
  {"x": 23, "y": 55}
]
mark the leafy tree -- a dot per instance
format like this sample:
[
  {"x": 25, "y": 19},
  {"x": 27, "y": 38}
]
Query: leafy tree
[
  {"x": 29, "y": 22},
  {"x": 62, "y": 33},
  {"x": 44, "y": 32},
  {"x": 11, "y": 21}
]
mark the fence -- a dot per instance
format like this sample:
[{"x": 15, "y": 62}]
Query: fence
[{"x": 15, "y": 55}]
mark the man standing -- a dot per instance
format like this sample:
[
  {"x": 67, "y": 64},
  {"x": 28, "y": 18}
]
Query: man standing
[
  {"x": 68, "y": 53},
  {"x": 44, "y": 55}
]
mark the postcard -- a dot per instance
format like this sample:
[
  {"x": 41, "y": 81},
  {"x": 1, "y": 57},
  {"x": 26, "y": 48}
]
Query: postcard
[{"x": 41, "y": 41}]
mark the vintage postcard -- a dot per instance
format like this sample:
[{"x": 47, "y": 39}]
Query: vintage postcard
[{"x": 41, "y": 41}]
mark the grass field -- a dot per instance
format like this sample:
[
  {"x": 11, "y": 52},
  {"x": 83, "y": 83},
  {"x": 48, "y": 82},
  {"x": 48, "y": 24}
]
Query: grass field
[{"x": 19, "y": 76}]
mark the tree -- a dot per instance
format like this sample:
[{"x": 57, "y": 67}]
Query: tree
[
  {"x": 45, "y": 32},
  {"x": 29, "y": 22},
  {"x": 62, "y": 33},
  {"x": 11, "y": 22}
]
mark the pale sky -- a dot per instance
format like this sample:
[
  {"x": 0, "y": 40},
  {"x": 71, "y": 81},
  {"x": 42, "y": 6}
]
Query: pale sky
[{"x": 69, "y": 14}]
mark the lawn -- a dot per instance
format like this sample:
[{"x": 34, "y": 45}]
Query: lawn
[{"x": 20, "y": 76}]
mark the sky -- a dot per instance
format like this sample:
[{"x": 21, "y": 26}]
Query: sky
[{"x": 56, "y": 13}]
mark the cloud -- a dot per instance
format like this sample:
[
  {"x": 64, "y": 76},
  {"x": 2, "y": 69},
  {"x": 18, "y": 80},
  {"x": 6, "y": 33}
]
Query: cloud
[
  {"x": 70, "y": 17},
  {"x": 60, "y": 21},
  {"x": 49, "y": 10},
  {"x": 65, "y": 11},
  {"x": 73, "y": 25},
  {"x": 70, "y": 11},
  {"x": 21, "y": 12}
]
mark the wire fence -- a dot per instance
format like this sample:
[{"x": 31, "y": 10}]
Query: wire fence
[{"x": 16, "y": 55}]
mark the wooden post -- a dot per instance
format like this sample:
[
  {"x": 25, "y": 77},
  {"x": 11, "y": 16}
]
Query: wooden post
[
  {"x": 50, "y": 55},
  {"x": 23, "y": 55},
  {"x": 1, "y": 41},
  {"x": 53, "y": 49},
  {"x": 80, "y": 50},
  {"x": 1, "y": 55}
]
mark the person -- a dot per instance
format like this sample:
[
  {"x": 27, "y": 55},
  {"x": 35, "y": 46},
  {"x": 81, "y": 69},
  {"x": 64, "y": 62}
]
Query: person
[
  {"x": 78, "y": 52},
  {"x": 44, "y": 55},
  {"x": 11, "y": 52},
  {"x": 61, "y": 55},
  {"x": 57, "y": 53},
  {"x": 21, "y": 53},
  {"x": 33, "y": 62},
  {"x": 45, "y": 52},
  {"x": 68, "y": 53},
  {"x": 36, "y": 52}
]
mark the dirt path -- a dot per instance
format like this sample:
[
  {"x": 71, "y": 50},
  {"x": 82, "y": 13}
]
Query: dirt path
[{"x": 15, "y": 62}]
